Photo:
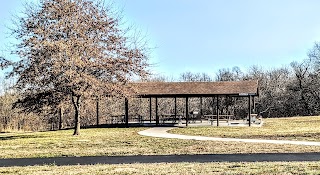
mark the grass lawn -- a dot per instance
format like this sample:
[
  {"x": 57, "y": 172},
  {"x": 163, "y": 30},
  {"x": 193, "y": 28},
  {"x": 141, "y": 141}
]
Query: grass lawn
[
  {"x": 174, "y": 168},
  {"x": 296, "y": 128},
  {"x": 126, "y": 141}
]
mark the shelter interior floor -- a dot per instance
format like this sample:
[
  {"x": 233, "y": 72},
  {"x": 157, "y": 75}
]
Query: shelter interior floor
[{"x": 231, "y": 123}]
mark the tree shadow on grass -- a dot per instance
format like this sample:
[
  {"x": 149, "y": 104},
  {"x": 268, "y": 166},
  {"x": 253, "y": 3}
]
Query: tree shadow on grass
[
  {"x": 20, "y": 137},
  {"x": 199, "y": 158},
  {"x": 131, "y": 125}
]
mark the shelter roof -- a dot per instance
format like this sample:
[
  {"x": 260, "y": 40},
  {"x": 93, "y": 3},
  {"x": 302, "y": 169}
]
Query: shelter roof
[{"x": 196, "y": 89}]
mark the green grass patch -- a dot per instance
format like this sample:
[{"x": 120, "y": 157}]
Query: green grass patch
[
  {"x": 295, "y": 128},
  {"x": 174, "y": 168}
]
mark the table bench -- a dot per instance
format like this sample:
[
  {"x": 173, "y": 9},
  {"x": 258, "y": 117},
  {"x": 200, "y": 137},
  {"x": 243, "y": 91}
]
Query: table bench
[{"x": 211, "y": 118}]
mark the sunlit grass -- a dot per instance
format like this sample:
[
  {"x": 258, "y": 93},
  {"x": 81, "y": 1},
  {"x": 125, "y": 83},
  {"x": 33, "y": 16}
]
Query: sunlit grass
[
  {"x": 295, "y": 128},
  {"x": 126, "y": 141},
  {"x": 174, "y": 168}
]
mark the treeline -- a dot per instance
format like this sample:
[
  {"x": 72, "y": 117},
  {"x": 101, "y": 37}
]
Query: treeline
[{"x": 291, "y": 90}]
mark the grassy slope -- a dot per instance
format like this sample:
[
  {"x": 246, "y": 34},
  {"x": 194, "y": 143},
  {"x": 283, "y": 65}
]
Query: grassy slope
[{"x": 296, "y": 128}]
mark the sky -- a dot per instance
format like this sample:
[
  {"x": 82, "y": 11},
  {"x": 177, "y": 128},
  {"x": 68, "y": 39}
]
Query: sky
[{"x": 203, "y": 36}]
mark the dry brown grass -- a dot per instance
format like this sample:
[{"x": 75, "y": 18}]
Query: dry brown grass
[
  {"x": 173, "y": 168},
  {"x": 123, "y": 141},
  {"x": 126, "y": 141}
]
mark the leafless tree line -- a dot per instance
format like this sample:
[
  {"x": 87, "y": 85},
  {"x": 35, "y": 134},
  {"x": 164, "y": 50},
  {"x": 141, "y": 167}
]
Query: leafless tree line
[{"x": 292, "y": 90}]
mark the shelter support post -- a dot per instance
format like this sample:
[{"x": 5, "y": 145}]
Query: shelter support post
[
  {"x": 175, "y": 107},
  {"x": 254, "y": 105},
  {"x": 249, "y": 106},
  {"x": 201, "y": 108},
  {"x": 218, "y": 110},
  {"x": 150, "y": 109},
  {"x": 126, "y": 104},
  {"x": 213, "y": 107},
  {"x": 187, "y": 111},
  {"x": 157, "y": 116}
]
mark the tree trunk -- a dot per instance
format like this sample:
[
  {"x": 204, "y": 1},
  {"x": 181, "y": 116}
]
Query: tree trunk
[
  {"x": 60, "y": 118},
  {"x": 76, "y": 104}
]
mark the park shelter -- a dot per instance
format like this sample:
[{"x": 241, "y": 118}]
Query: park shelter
[{"x": 245, "y": 89}]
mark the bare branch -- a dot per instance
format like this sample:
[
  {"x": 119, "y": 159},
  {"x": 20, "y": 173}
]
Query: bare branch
[{"x": 73, "y": 48}]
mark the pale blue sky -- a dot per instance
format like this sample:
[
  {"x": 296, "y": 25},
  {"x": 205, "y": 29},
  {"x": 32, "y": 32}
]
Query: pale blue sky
[{"x": 206, "y": 35}]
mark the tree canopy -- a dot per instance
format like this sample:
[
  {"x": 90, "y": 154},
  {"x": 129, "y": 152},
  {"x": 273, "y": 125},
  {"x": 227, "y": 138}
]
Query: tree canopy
[{"x": 70, "y": 50}]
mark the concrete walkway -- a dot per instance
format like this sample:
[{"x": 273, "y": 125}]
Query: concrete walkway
[
  {"x": 162, "y": 132},
  {"x": 200, "y": 158}
]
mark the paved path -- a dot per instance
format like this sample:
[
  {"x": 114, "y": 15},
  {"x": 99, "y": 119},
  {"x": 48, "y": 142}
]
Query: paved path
[
  {"x": 162, "y": 132},
  {"x": 199, "y": 158}
]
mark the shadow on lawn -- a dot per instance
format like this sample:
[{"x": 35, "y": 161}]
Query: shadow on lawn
[
  {"x": 200, "y": 158},
  {"x": 19, "y": 137},
  {"x": 131, "y": 125}
]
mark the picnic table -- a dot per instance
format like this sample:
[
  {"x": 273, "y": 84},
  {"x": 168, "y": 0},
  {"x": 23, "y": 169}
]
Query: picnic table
[
  {"x": 194, "y": 115},
  {"x": 222, "y": 117},
  {"x": 138, "y": 118},
  {"x": 254, "y": 118},
  {"x": 116, "y": 119},
  {"x": 170, "y": 117}
]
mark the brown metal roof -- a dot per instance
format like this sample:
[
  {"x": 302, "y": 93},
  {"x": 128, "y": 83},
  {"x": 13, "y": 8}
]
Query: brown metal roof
[{"x": 184, "y": 89}]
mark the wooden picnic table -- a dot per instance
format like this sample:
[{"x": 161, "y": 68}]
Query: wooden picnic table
[
  {"x": 116, "y": 119},
  {"x": 168, "y": 117},
  {"x": 138, "y": 118},
  {"x": 222, "y": 117}
]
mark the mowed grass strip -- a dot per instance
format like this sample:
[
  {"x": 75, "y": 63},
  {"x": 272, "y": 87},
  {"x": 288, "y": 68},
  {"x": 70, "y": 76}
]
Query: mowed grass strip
[
  {"x": 173, "y": 168},
  {"x": 295, "y": 128}
]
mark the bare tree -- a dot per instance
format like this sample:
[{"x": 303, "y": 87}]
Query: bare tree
[
  {"x": 314, "y": 56},
  {"x": 189, "y": 77},
  {"x": 71, "y": 50},
  {"x": 299, "y": 85},
  {"x": 313, "y": 83},
  {"x": 238, "y": 74},
  {"x": 194, "y": 77},
  {"x": 229, "y": 75}
]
